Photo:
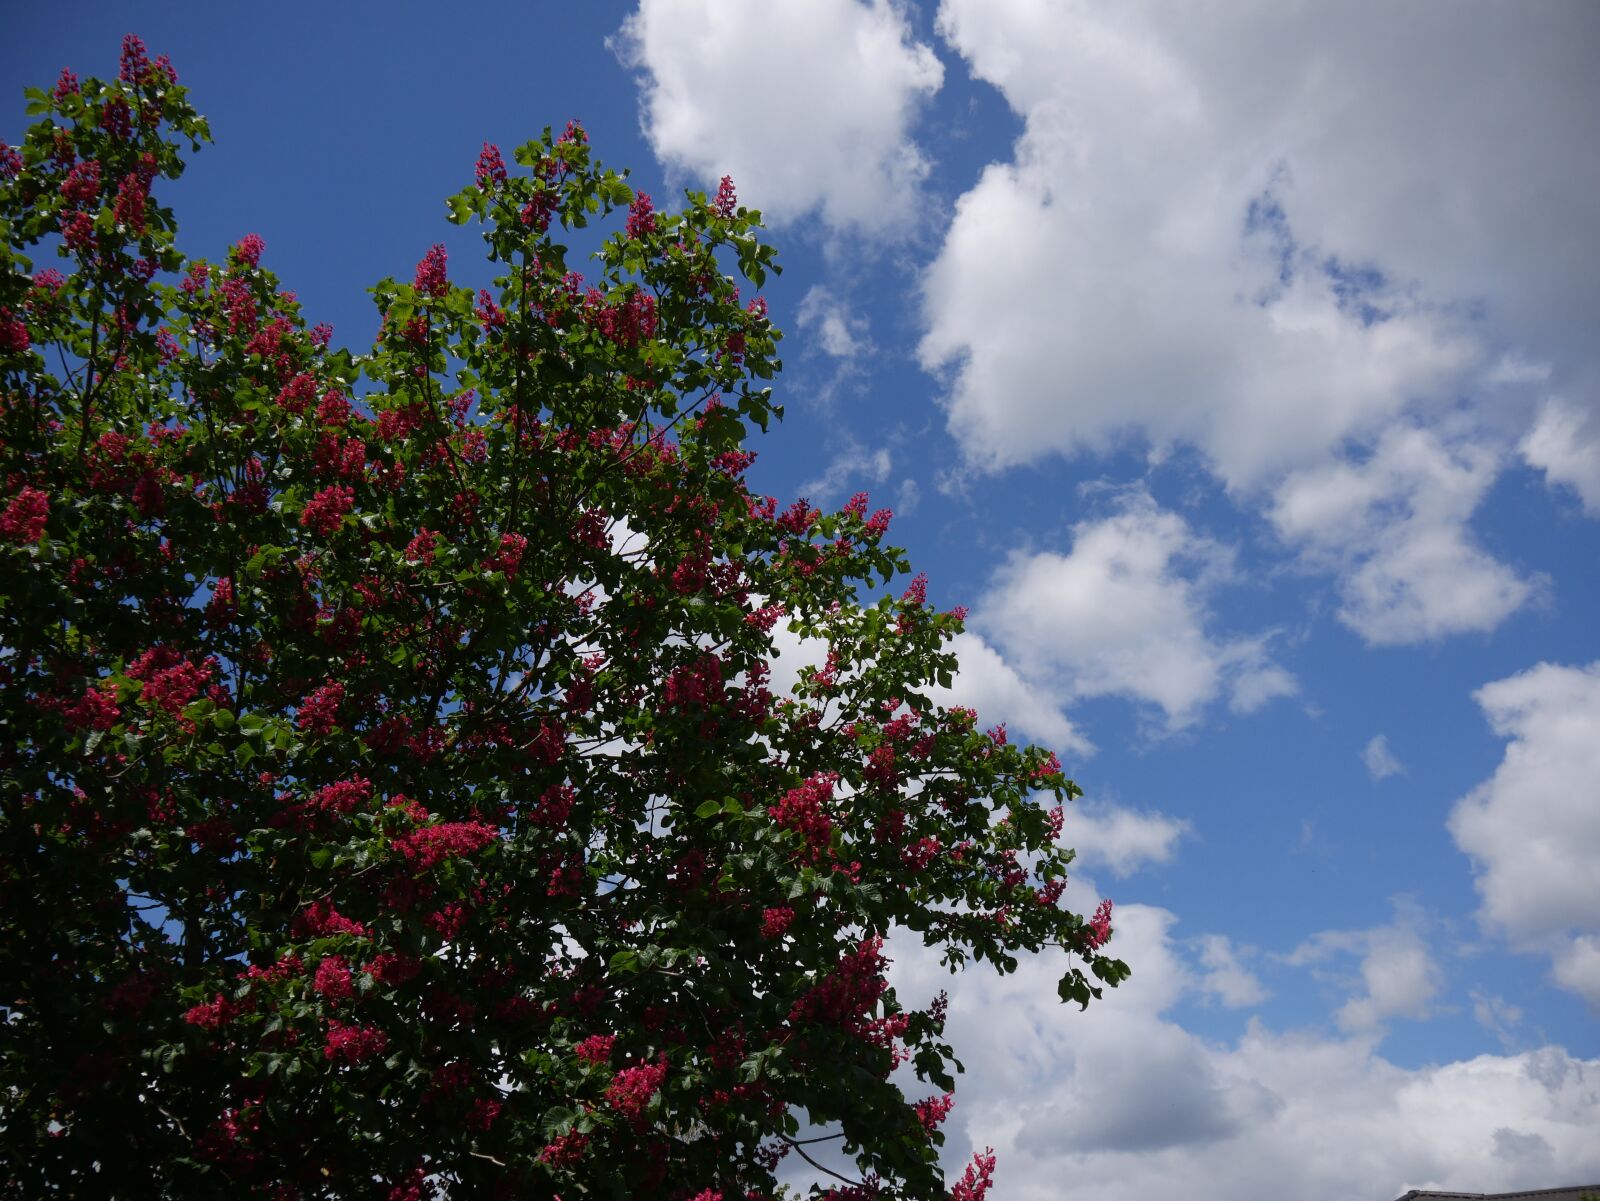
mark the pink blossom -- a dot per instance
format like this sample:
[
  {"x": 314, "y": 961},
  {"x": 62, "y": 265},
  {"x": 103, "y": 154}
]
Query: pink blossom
[
  {"x": 212, "y": 1015},
  {"x": 1099, "y": 929},
  {"x": 320, "y": 919},
  {"x": 565, "y": 1151},
  {"x": 319, "y": 712},
  {"x": 775, "y": 921},
  {"x": 726, "y": 200},
  {"x": 342, "y": 796},
  {"x": 420, "y": 549},
  {"x": 847, "y": 994},
  {"x": 352, "y": 1044},
  {"x": 801, "y": 810},
  {"x": 82, "y": 184},
  {"x": 641, "y": 216},
  {"x": 96, "y": 709},
  {"x": 24, "y": 520},
  {"x": 134, "y": 61},
  {"x": 491, "y": 167},
  {"x": 632, "y": 1089},
  {"x": 934, "y": 1110},
  {"x": 430, "y": 279},
  {"x": 432, "y": 845},
  {"x": 332, "y": 978},
  {"x": 325, "y": 511},
  {"x": 248, "y": 250},
  {"x": 489, "y": 312},
  {"x": 128, "y": 209},
  {"x": 976, "y": 1180}
]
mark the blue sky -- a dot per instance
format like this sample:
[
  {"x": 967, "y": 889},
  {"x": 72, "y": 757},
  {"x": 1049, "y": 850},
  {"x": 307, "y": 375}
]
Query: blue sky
[{"x": 1237, "y": 370}]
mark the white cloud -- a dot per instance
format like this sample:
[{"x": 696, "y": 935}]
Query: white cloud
[
  {"x": 851, "y": 468},
  {"x": 1379, "y": 759},
  {"x": 1533, "y": 828},
  {"x": 907, "y": 497},
  {"x": 1122, "y": 840},
  {"x": 1124, "y": 613},
  {"x": 1496, "y": 1015},
  {"x": 989, "y": 684},
  {"x": 1397, "y": 976},
  {"x": 1254, "y": 235},
  {"x": 1565, "y": 444},
  {"x": 838, "y": 331},
  {"x": 1115, "y": 276},
  {"x": 1225, "y": 979},
  {"x": 806, "y": 103},
  {"x": 1395, "y": 526},
  {"x": 1122, "y": 1104}
]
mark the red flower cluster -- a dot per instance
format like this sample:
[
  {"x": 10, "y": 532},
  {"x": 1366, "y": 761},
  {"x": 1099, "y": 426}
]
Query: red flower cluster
[
  {"x": 319, "y": 712},
  {"x": 212, "y": 1015},
  {"x": 641, "y": 216},
  {"x": 934, "y": 1110},
  {"x": 976, "y": 1180},
  {"x": 632, "y": 1089},
  {"x": 352, "y": 1044},
  {"x": 248, "y": 250},
  {"x": 24, "y": 520},
  {"x": 801, "y": 810},
  {"x": 342, "y": 796},
  {"x": 596, "y": 1048},
  {"x": 726, "y": 200},
  {"x": 627, "y": 322},
  {"x": 849, "y": 993},
  {"x": 491, "y": 167},
  {"x": 96, "y": 709},
  {"x": 82, "y": 184},
  {"x": 432, "y": 845},
  {"x": 566, "y": 1151},
  {"x": 775, "y": 921},
  {"x": 325, "y": 511},
  {"x": 1099, "y": 926},
  {"x": 430, "y": 279},
  {"x": 696, "y": 685},
  {"x": 332, "y": 978},
  {"x": 170, "y": 681}
]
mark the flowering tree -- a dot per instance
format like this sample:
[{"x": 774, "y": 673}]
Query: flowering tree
[{"x": 394, "y": 797}]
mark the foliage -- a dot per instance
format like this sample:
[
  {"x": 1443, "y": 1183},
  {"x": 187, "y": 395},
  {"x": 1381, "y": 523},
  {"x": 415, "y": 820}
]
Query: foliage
[{"x": 393, "y": 792}]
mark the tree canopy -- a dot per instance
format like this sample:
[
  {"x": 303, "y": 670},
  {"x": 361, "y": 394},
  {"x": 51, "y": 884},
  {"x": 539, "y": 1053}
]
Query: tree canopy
[{"x": 396, "y": 799}]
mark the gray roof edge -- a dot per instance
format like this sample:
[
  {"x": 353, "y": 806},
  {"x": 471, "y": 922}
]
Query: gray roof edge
[{"x": 1570, "y": 1192}]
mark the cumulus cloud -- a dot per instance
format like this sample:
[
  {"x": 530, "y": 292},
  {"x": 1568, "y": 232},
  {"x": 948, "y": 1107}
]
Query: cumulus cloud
[
  {"x": 1255, "y": 236},
  {"x": 808, "y": 104},
  {"x": 1396, "y": 973},
  {"x": 1564, "y": 443},
  {"x": 1532, "y": 828},
  {"x": 1120, "y": 1103},
  {"x": 989, "y": 684},
  {"x": 1396, "y": 526},
  {"x": 837, "y": 330},
  {"x": 852, "y": 467},
  {"x": 1225, "y": 979},
  {"x": 1125, "y": 613},
  {"x": 1380, "y": 760},
  {"x": 1122, "y": 840}
]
